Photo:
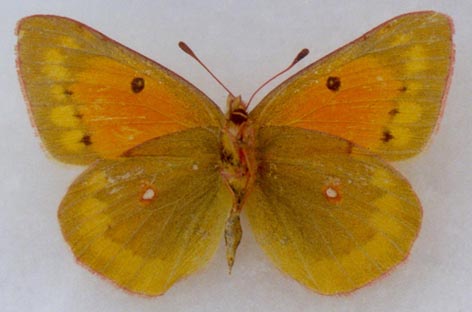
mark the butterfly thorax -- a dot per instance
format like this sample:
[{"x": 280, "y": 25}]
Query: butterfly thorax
[{"x": 237, "y": 168}]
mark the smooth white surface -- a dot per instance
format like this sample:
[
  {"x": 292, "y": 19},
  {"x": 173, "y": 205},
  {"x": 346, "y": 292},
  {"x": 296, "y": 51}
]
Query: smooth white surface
[{"x": 244, "y": 42}]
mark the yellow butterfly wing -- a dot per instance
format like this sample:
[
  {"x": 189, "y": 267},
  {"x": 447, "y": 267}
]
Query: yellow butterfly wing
[
  {"x": 92, "y": 98},
  {"x": 152, "y": 217},
  {"x": 384, "y": 91},
  {"x": 327, "y": 212}
]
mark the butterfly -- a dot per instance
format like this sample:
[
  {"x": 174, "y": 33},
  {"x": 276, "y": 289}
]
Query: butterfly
[{"x": 169, "y": 174}]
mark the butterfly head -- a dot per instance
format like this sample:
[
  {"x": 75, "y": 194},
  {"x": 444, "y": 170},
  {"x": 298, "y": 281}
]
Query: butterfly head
[{"x": 237, "y": 112}]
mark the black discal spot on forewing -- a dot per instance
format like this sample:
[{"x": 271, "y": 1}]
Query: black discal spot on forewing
[
  {"x": 238, "y": 116},
  {"x": 137, "y": 84},
  {"x": 68, "y": 92},
  {"x": 387, "y": 136},
  {"x": 403, "y": 89},
  {"x": 394, "y": 112},
  {"x": 86, "y": 140},
  {"x": 333, "y": 83}
]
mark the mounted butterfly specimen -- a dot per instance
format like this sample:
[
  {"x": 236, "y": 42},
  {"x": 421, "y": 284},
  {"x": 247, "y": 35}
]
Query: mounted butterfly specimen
[{"x": 169, "y": 174}]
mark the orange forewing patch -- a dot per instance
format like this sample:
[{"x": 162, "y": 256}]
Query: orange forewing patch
[
  {"x": 119, "y": 118},
  {"x": 92, "y": 98},
  {"x": 366, "y": 109},
  {"x": 383, "y": 91}
]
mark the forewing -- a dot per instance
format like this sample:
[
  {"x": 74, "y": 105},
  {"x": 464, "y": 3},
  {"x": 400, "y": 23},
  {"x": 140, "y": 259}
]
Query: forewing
[
  {"x": 384, "y": 91},
  {"x": 326, "y": 212},
  {"x": 149, "y": 219},
  {"x": 92, "y": 98}
]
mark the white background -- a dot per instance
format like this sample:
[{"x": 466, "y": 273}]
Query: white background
[{"x": 244, "y": 42}]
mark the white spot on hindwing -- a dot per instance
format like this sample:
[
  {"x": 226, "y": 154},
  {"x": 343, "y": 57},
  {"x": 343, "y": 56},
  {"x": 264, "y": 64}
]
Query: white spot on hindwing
[
  {"x": 148, "y": 194},
  {"x": 331, "y": 192}
]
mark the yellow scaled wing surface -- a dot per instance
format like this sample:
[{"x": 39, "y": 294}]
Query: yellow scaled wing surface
[
  {"x": 328, "y": 213},
  {"x": 149, "y": 219}
]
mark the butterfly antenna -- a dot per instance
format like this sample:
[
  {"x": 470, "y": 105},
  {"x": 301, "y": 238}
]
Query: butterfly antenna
[
  {"x": 298, "y": 58},
  {"x": 186, "y": 49}
]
